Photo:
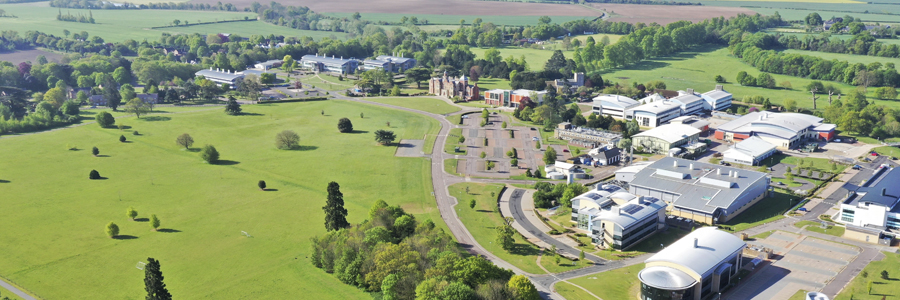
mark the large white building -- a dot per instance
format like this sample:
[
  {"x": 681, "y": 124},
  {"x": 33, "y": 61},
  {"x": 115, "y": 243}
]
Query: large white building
[
  {"x": 654, "y": 113},
  {"x": 700, "y": 191},
  {"x": 221, "y": 76},
  {"x": 873, "y": 206},
  {"x": 717, "y": 99},
  {"x": 749, "y": 152},
  {"x": 332, "y": 64},
  {"x": 695, "y": 267},
  {"x": 613, "y": 105},
  {"x": 691, "y": 103},
  {"x": 663, "y": 138},
  {"x": 617, "y": 219},
  {"x": 784, "y": 130}
]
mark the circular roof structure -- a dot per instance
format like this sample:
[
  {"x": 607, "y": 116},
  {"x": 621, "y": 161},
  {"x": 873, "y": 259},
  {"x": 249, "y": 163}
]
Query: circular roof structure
[{"x": 666, "y": 278}]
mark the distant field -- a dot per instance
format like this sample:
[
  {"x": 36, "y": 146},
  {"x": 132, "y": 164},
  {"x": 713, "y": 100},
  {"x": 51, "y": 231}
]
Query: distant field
[
  {"x": 801, "y": 35},
  {"x": 453, "y": 19},
  {"x": 665, "y": 14},
  {"x": 493, "y": 83},
  {"x": 697, "y": 70},
  {"x": 854, "y": 10},
  {"x": 246, "y": 29},
  {"x": 612, "y": 37},
  {"x": 28, "y": 55},
  {"x": 865, "y": 59},
  {"x": 420, "y": 103},
  {"x": 433, "y": 7},
  {"x": 535, "y": 58}
]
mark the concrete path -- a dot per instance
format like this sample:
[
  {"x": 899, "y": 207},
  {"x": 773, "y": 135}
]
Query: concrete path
[{"x": 14, "y": 290}]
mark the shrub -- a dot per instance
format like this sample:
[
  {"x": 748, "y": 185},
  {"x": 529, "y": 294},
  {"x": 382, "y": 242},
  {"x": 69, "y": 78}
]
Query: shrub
[
  {"x": 122, "y": 138},
  {"x": 135, "y": 133},
  {"x": 95, "y": 151},
  {"x": 261, "y": 184},
  {"x": 209, "y": 154},
  {"x": 131, "y": 213},
  {"x": 105, "y": 119},
  {"x": 94, "y": 174},
  {"x": 112, "y": 230},
  {"x": 344, "y": 125},
  {"x": 554, "y": 232},
  {"x": 154, "y": 222},
  {"x": 287, "y": 139}
]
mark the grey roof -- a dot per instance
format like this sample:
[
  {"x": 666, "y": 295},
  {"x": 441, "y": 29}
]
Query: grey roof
[
  {"x": 881, "y": 189},
  {"x": 704, "y": 188},
  {"x": 252, "y": 72},
  {"x": 616, "y": 100},
  {"x": 327, "y": 59},
  {"x": 670, "y": 132},
  {"x": 687, "y": 99},
  {"x": 219, "y": 75},
  {"x": 394, "y": 59},
  {"x": 717, "y": 94},
  {"x": 270, "y": 62},
  {"x": 608, "y": 153},
  {"x": 785, "y": 125},
  {"x": 635, "y": 210},
  {"x": 666, "y": 278},
  {"x": 657, "y": 107},
  {"x": 753, "y": 146},
  {"x": 713, "y": 247}
]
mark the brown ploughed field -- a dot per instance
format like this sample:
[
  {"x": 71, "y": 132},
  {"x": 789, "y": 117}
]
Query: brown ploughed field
[
  {"x": 665, "y": 14},
  {"x": 435, "y": 7}
]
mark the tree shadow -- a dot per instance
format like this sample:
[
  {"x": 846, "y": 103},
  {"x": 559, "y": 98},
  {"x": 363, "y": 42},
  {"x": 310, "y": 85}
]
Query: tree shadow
[
  {"x": 101, "y": 155},
  {"x": 270, "y": 190},
  {"x": 75, "y": 149},
  {"x": 227, "y": 162},
  {"x": 523, "y": 249},
  {"x": 117, "y": 127},
  {"x": 168, "y": 230},
  {"x": 306, "y": 148},
  {"x": 125, "y": 237},
  {"x": 100, "y": 178},
  {"x": 484, "y": 210},
  {"x": 155, "y": 118},
  {"x": 127, "y": 142},
  {"x": 4, "y": 181},
  {"x": 251, "y": 114},
  {"x": 85, "y": 112},
  {"x": 358, "y": 131},
  {"x": 193, "y": 149},
  {"x": 142, "y": 220}
]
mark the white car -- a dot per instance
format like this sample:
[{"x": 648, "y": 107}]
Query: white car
[{"x": 534, "y": 138}]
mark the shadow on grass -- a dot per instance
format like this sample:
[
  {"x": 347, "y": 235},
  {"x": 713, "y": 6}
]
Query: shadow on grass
[
  {"x": 101, "y": 178},
  {"x": 485, "y": 211},
  {"x": 270, "y": 190},
  {"x": 101, "y": 155},
  {"x": 84, "y": 112},
  {"x": 155, "y": 118},
  {"x": 192, "y": 149},
  {"x": 168, "y": 230},
  {"x": 125, "y": 237},
  {"x": 524, "y": 249},
  {"x": 127, "y": 142},
  {"x": 142, "y": 220},
  {"x": 305, "y": 148},
  {"x": 252, "y": 114},
  {"x": 4, "y": 181},
  {"x": 358, "y": 131},
  {"x": 227, "y": 162}
]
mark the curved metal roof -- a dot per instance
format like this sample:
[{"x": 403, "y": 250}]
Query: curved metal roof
[
  {"x": 713, "y": 247},
  {"x": 666, "y": 278}
]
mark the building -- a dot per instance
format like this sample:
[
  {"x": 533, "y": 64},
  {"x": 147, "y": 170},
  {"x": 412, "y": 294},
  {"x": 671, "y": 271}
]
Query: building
[
  {"x": 654, "y": 113},
  {"x": 269, "y": 64},
  {"x": 450, "y": 87},
  {"x": 563, "y": 170},
  {"x": 584, "y": 136},
  {"x": 627, "y": 173},
  {"x": 691, "y": 103},
  {"x": 605, "y": 155},
  {"x": 513, "y": 98},
  {"x": 331, "y": 64},
  {"x": 577, "y": 81},
  {"x": 398, "y": 64},
  {"x": 617, "y": 219},
  {"x": 613, "y": 105},
  {"x": 717, "y": 99},
  {"x": 697, "y": 266},
  {"x": 221, "y": 76},
  {"x": 663, "y": 138},
  {"x": 751, "y": 152},
  {"x": 784, "y": 130},
  {"x": 703, "y": 192},
  {"x": 693, "y": 121},
  {"x": 871, "y": 210},
  {"x": 148, "y": 98}
]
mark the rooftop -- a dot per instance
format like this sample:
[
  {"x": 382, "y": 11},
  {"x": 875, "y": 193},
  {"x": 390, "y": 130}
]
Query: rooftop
[
  {"x": 670, "y": 132},
  {"x": 329, "y": 60},
  {"x": 779, "y": 124},
  {"x": 636, "y": 209},
  {"x": 618, "y": 100},
  {"x": 394, "y": 59},
  {"x": 881, "y": 189},
  {"x": 753, "y": 146},
  {"x": 701, "y": 186},
  {"x": 718, "y": 93},
  {"x": 593, "y": 132},
  {"x": 699, "y": 252},
  {"x": 686, "y": 98},
  {"x": 658, "y": 107},
  {"x": 227, "y": 75}
]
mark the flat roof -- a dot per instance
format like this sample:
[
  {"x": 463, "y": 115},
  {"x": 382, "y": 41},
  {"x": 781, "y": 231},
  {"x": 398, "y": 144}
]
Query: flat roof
[
  {"x": 592, "y": 132},
  {"x": 326, "y": 59},
  {"x": 618, "y": 100},
  {"x": 395, "y": 59},
  {"x": 686, "y": 99},
  {"x": 658, "y": 107},
  {"x": 713, "y": 247},
  {"x": 670, "y": 132},
  {"x": 230, "y": 76},
  {"x": 881, "y": 189},
  {"x": 654, "y": 97},
  {"x": 717, "y": 94},
  {"x": 704, "y": 188},
  {"x": 779, "y": 124},
  {"x": 753, "y": 146},
  {"x": 633, "y": 211}
]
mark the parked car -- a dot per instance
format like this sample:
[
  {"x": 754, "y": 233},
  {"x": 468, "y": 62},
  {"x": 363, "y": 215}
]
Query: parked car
[
  {"x": 857, "y": 167},
  {"x": 837, "y": 140},
  {"x": 802, "y": 209},
  {"x": 565, "y": 150},
  {"x": 780, "y": 183}
]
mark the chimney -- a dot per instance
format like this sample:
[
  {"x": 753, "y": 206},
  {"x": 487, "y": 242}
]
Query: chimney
[
  {"x": 719, "y": 87},
  {"x": 729, "y": 173},
  {"x": 692, "y": 166},
  {"x": 736, "y": 174},
  {"x": 690, "y": 91},
  {"x": 696, "y": 243},
  {"x": 675, "y": 163},
  {"x": 884, "y": 191}
]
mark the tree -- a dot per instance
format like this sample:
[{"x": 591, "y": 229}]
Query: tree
[
  {"x": 345, "y": 126},
  {"x": 503, "y": 125},
  {"x": 886, "y": 92},
  {"x": 765, "y": 80},
  {"x": 472, "y": 203},
  {"x": 287, "y": 140},
  {"x": 789, "y": 176},
  {"x": 185, "y": 140},
  {"x": 267, "y": 78},
  {"x": 137, "y": 107},
  {"x": 112, "y": 96},
  {"x": 490, "y": 165},
  {"x": 95, "y": 151},
  {"x": 790, "y": 105},
  {"x": 537, "y": 173},
  {"x": 624, "y": 144},
  {"x": 885, "y": 275},
  {"x": 581, "y": 255},
  {"x": 232, "y": 107},
  {"x": 537, "y": 144},
  {"x": 720, "y": 79},
  {"x": 514, "y": 162},
  {"x": 112, "y": 230},
  {"x": 122, "y": 138},
  {"x": 550, "y": 156},
  {"x": 287, "y": 63},
  {"x": 417, "y": 75},
  {"x": 105, "y": 119},
  {"x": 482, "y": 155},
  {"x": 262, "y": 185},
  {"x": 131, "y": 213},
  {"x": 522, "y": 288},
  {"x": 384, "y": 137},
  {"x": 395, "y": 91},
  {"x": 121, "y": 75},
  {"x": 335, "y": 213},
  {"x": 462, "y": 139},
  {"x": 153, "y": 281},
  {"x": 154, "y": 222},
  {"x": 94, "y": 174},
  {"x": 209, "y": 154},
  {"x": 505, "y": 237}
]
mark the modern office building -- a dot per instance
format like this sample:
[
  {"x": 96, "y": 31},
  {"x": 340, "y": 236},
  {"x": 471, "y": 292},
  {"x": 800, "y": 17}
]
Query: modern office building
[
  {"x": 332, "y": 64},
  {"x": 584, "y": 136},
  {"x": 692, "y": 121},
  {"x": 871, "y": 210},
  {"x": 706, "y": 193},
  {"x": 697, "y": 266},
  {"x": 617, "y": 219},
  {"x": 751, "y": 152},
  {"x": 269, "y": 64},
  {"x": 784, "y": 130},
  {"x": 613, "y": 105},
  {"x": 655, "y": 113},
  {"x": 691, "y": 103},
  {"x": 663, "y": 138},
  {"x": 389, "y": 63},
  {"x": 717, "y": 99}
]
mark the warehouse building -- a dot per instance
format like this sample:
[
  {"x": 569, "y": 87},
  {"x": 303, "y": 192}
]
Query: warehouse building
[
  {"x": 697, "y": 266},
  {"x": 749, "y": 152},
  {"x": 784, "y": 130},
  {"x": 700, "y": 191},
  {"x": 663, "y": 138}
]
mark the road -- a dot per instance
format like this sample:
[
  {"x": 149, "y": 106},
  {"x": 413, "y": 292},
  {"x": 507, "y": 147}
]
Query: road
[{"x": 16, "y": 291}]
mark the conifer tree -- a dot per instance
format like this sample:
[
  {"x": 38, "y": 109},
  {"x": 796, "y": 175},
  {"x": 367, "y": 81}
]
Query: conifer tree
[
  {"x": 153, "y": 281},
  {"x": 335, "y": 213}
]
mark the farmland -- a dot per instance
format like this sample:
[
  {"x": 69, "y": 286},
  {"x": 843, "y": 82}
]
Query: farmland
[
  {"x": 448, "y": 19},
  {"x": 534, "y": 57},
  {"x": 665, "y": 14},
  {"x": 57, "y": 217},
  {"x": 29, "y": 55},
  {"x": 447, "y": 7},
  {"x": 864, "y": 59}
]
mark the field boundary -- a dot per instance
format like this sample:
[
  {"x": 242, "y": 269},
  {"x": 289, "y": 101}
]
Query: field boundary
[{"x": 205, "y": 23}]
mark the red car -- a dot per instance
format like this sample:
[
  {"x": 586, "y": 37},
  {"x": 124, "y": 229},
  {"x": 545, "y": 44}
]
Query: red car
[{"x": 565, "y": 150}]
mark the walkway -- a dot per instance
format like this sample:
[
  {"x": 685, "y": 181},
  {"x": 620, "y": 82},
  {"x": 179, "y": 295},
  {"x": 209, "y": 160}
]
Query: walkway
[{"x": 16, "y": 291}]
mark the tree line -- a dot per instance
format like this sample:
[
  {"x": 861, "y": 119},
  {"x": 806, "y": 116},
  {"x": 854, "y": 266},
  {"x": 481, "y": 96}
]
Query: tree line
[
  {"x": 68, "y": 17},
  {"x": 860, "y": 44}
]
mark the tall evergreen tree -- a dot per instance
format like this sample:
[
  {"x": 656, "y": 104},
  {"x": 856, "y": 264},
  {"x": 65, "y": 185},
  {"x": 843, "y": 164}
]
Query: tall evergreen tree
[
  {"x": 153, "y": 281},
  {"x": 335, "y": 213}
]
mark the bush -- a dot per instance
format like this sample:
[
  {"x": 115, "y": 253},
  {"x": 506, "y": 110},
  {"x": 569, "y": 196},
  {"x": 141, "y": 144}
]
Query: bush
[
  {"x": 135, "y": 133},
  {"x": 209, "y": 154},
  {"x": 95, "y": 151},
  {"x": 344, "y": 125},
  {"x": 122, "y": 138},
  {"x": 287, "y": 140},
  {"x": 94, "y": 174},
  {"x": 261, "y": 184},
  {"x": 554, "y": 232},
  {"x": 105, "y": 119}
]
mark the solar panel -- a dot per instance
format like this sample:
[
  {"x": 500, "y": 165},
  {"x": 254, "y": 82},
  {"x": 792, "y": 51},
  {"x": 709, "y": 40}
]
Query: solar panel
[
  {"x": 631, "y": 209},
  {"x": 650, "y": 199}
]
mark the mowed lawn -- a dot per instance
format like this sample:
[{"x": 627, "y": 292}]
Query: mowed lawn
[
  {"x": 853, "y": 59},
  {"x": 431, "y": 105},
  {"x": 535, "y": 58},
  {"x": 620, "y": 283},
  {"x": 698, "y": 69},
  {"x": 53, "y": 216},
  {"x": 857, "y": 289}
]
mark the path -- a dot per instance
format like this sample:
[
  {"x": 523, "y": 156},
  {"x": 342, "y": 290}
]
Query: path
[{"x": 14, "y": 290}]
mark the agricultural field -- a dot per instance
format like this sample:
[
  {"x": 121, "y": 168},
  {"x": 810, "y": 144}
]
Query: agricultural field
[
  {"x": 436, "y": 19},
  {"x": 29, "y": 55},
  {"x": 598, "y": 36},
  {"x": 698, "y": 69},
  {"x": 665, "y": 14},
  {"x": 536, "y": 58},
  {"x": 58, "y": 216},
  {"x": 422, "y": 8},
  {"x": 864, "y": 59},
  {"x": 247, "y": 29}
]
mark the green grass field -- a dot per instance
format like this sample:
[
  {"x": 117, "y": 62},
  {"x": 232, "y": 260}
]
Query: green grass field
[
  {"x": 56, "y": 216},
  {"x": 817, "y": 227},
  {"x": 888, "y": 150},
  {"x": 493, "y": 83},
  {"x": 431, "y": 105},
  {"x": 620, "y": 283},
  {"x": 865, "y": 59},
  {"x": 766, "y": 210},
  {"x": 598, "y": 36},
  {"x": 536, "y": 58},
  {"x": 120, "y": 25},
  {"x": 880, "y": 287},
  {"x": 697, "y": 70},
  {"x": 454, "y": 19}
]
